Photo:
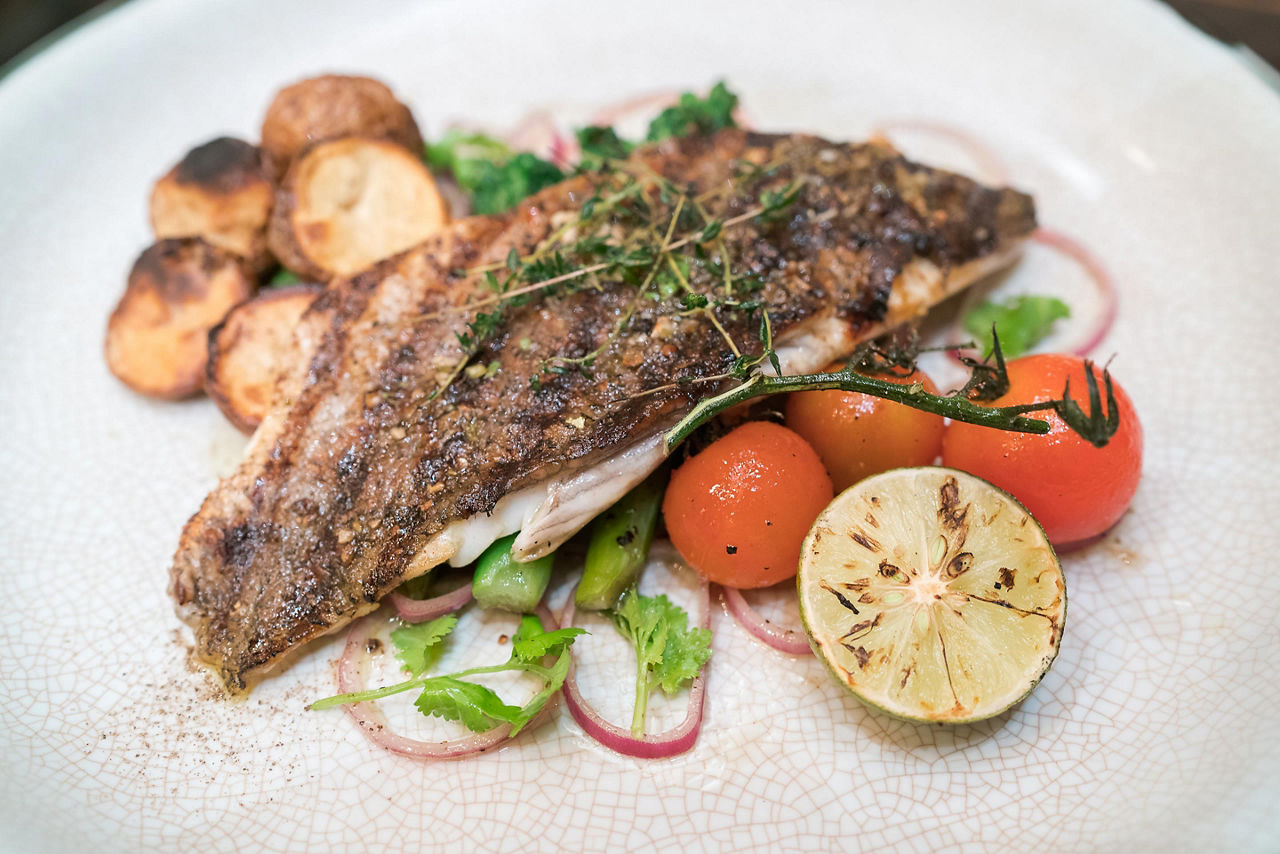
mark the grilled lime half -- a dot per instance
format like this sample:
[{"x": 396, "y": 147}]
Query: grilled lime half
[{"x": 932, "y": 595}]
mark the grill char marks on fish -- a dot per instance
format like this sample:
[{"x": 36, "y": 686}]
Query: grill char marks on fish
[{"x": 369, "y": 454}]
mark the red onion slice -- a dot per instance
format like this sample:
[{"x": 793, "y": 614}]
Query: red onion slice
[
  {"x": 563, "y": 151},
  {"x": 421, "y": 610},
  {"x": 537, "y": 133},
  {"x": 352, "y": 667},
  {"x": 1108, "y": 302},
  {"x": 534, "y": 132},
  {"x": 674, "y": 741},
  {"x": 1106, "y": 316},
  {"x": 790, "y": 641}
]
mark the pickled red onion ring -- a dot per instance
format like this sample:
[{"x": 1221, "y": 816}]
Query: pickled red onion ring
[
  {"x": 987, "y": 161},
  {"x": 673, "y": 742},
  {"x": 352, "y": 667},
  {"x": 790, "y": 641},
  {"x": 1102, "y": 280},
  {"x": 421, "y": 610},
  {"x": 1103, "y": 319}
]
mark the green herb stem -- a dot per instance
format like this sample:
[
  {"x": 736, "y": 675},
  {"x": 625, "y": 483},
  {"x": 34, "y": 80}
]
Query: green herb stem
[
  {"x": 954, "y": 407},
  {"x": 363, "y": 696},
  {"x": 642, "y": 697},
  {"x": 543, "y": 673}
]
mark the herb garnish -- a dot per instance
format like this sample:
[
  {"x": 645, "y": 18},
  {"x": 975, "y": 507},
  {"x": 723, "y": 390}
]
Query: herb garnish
[
  {"x": 668, "y": 652},
  {"x": 495, "y": 177},
  {"x": 619, "y": 239},
  {"x": 600, "y": 144},
  {"x": 693, "y": 115},
  {"x": 453, "y": 697},
  {"x": 1023, "y": 321},
  {"x": 641, "y": 230}
]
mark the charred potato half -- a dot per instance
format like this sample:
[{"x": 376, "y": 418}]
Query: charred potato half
[
  {"x": 219, "y": 191},
  {"x": 347, "y": 203},
  {"x": 251, "y": 348},
  {"x": 178, "y": 289},
  {"x": 330, "y": 107}
]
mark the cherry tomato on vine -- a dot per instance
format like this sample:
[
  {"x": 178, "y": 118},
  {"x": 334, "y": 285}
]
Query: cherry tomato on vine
[
  {"x": 1075, "y": 490},
  {"x": 858, "y": 435},
  {"x": 739, "y": 510}
]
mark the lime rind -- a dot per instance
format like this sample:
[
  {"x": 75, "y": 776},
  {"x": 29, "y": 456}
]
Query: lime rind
[{"x": 932, "y": 595}]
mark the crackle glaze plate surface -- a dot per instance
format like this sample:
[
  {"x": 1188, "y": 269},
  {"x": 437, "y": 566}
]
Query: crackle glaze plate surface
[{"x": 1156, "y": 729}]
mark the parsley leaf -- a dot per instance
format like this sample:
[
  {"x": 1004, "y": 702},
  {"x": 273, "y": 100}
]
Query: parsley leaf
[
  {"x": 555, "y": 679},
  {"x": 534, "y": 647},
  {"x": 668, "y": 652},
  {"x": 694, "y": 115},
  {"x": 418, "y": 644},
  {"x": 457, "y": 150},
  {"x": 1021, "y": 321},
  {"x": 473, "y": 705},
  {"x": 499, "y": 187},
  {"x": 489, "y": 172},
  {"x": 685, "y": 653},
  {"x": 453, "y": 697}
]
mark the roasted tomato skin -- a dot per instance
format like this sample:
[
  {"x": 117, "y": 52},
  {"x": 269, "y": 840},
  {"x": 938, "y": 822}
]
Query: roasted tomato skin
[
  {"x": 1076, "y": 491},
  {"x": 739, "y": 510},
  {"x": 858, "y": 435}
]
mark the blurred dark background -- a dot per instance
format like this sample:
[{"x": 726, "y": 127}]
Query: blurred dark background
[{"x": 1254, "y": 23}]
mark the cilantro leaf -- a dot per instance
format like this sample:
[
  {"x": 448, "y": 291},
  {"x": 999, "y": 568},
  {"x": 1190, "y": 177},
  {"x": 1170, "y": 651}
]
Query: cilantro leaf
[
  {"x": 452, "y": 697},
  {"x": 694, "y": 115},
  {"x": 668, "y": 652},
  {"x": 418, "y": 644},
  {"x": 559, "y": 671},
  {"x": 685, "y": 652},
  {"x": 1021, "y": 321},
  {"x": 533, "y": 649},
  {"x": 476, "y": 707},
  {"x": 640, "y": 620}
]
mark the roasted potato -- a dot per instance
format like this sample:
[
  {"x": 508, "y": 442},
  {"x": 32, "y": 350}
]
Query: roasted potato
[
  {"x": 179, "y": 289},
  {"x": 251, "y": 348},
  {"x": 330, "y": 107},
  {"x": 219, "y": 191},
  {"x": 347, "y": 203}
]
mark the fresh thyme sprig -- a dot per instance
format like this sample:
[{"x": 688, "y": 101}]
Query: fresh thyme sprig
[
  {"x": 551, "y": 266},
  {"x": 535, "y": 286}
]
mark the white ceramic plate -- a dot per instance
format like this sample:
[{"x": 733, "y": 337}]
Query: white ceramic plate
[{"x": 1155, "y": 730}]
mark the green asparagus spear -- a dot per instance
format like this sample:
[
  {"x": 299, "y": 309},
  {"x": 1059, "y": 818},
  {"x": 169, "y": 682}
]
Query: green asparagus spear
[
  {"x": 620, "y": 540},
  {"x": 501, "y": 582}
]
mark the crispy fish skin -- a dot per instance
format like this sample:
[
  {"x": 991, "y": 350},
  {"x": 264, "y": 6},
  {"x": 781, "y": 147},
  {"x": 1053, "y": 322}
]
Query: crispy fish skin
[{"x": 347, "y": 482}]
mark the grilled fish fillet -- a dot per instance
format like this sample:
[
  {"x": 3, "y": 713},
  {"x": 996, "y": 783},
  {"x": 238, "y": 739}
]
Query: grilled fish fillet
[{"x": 381, "y": 459}]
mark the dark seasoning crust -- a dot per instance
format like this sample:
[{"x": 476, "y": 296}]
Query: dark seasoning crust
[{"x": 343, "y": 490}]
